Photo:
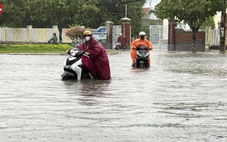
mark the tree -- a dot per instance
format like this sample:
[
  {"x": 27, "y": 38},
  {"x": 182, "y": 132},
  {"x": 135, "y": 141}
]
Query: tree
[
  {"x": 16, "y": 13},
  {"x": 88, "y": 13},
  {"x": 135, "y": 14},
  {"x": 46, "y": 13},
  {"x": 208, "y": 22},
  {"x": 66, "y": 12},
  {"x": 193, "y": 12},
  {"x": 114, "y": 10}
]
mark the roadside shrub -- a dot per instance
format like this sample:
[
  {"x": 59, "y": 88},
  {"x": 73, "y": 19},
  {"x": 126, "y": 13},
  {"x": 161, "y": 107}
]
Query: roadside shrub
[{"x": 33, "y": 48}]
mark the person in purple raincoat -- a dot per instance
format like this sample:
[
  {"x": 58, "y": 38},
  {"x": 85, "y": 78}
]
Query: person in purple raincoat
[{"x": 96, "y": 60}]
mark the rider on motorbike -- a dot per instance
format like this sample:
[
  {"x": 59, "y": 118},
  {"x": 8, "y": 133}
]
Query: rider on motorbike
[
  {"x": 97, "y": 63},
  {"x": 141, "y": 41},
  {"x": 54, "y": 39}
]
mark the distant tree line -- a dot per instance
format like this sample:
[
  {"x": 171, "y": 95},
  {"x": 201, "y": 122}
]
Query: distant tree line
[
  {"x": 94, "y": 13},
  {"x": 88, "y": 13}
]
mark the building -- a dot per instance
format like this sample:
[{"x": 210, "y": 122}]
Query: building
[
  {"x": 149, "y": 18},
  {"x": 158, "y": 28}
]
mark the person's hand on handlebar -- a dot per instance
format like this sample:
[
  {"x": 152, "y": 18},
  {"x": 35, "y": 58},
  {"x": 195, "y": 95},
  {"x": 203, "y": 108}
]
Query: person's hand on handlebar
[
  {"x": 86, "y": 54},
  {"x": 68, "y": 51},
  {"x": 149, "y": 48}
]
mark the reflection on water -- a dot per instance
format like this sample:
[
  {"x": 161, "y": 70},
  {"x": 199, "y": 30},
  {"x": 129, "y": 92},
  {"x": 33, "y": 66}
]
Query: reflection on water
[
  {"x": 197, "y": 63},
  {"x": 89, "y": 90},
  {"x": 181, "y": 97},
  {"x": 88, "y": 87}
]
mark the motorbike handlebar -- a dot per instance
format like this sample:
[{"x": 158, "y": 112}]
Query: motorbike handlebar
[
  {"x": 75, "y": 53},
  {"x": 141, "y": 48}
]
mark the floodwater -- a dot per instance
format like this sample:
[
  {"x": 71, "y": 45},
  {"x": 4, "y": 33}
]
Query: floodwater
[{"x": 181, "y": 98}]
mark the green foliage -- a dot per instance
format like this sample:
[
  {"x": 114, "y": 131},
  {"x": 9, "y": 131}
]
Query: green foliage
[
  {"x": 45, "y": 13},
  {"x": 208, "y": 22},
  {"x": 34, "y": 48},
  {"x": 39, "y": 48},
  {"x": 89, "y": 13},
  {"x": 146, "y": 30},
  {"x": 102, "y": 41},
  {"x": 134, "y": 13},
  {"x": 193, "y": 12}
]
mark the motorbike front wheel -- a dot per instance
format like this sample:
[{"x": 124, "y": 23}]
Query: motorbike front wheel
[
  {"x": 68, "y": 75},
  {"x": 141, "y": 64}
]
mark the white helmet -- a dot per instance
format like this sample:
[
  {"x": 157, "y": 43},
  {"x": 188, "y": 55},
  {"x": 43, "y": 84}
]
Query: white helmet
[{"x": 142, "y": 33}]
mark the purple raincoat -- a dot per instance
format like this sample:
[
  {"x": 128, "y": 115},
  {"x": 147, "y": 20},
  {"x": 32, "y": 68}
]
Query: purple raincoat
[{"x": 98, "y": 63}]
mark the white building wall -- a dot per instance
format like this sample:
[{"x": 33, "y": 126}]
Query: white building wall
[{"x": 217, "y": 19}]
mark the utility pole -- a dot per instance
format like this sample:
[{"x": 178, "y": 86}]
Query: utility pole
[
  {"x": 223, "y": 29},
  {"x": 126, "y": 10}
]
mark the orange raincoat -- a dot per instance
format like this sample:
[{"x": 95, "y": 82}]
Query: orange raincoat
[{"x": 139, "y": 42}]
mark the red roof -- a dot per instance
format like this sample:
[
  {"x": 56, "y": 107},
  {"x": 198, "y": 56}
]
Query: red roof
[{"x": 146, "y": 10}]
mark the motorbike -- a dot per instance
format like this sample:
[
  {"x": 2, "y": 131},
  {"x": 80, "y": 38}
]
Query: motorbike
[
  {"x": 73, "y": 67},
  {"x": 142, "y": 56},
  {"x": 117, "y": 46}
]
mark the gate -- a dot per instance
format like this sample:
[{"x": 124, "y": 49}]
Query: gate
[
  {"x": 116, "y": 32},
  {"x": 212, "y": 38},
  {"x": 155, "y": 35}
]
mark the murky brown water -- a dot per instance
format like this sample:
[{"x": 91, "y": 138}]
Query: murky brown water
[{"x": 181, "y": 98}]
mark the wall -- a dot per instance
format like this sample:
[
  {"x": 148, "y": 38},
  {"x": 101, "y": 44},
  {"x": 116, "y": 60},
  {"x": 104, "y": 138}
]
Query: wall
[
  {"x": 40, "y": 35},
  {"x": 181, "y": 40},
  {"x": 30, "y": 35}
]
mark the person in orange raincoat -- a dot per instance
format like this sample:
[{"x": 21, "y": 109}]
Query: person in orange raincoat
[{"x": 141, "y": 41}]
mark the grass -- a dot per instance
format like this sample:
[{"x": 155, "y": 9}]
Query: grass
[
  {"x": 39, "y": 49},
  {"x": 33, "y": 48}
]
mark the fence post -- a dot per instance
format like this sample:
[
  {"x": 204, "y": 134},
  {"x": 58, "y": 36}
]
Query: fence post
[
  {"x": 109, "y": 26},
  {"x": 29, "y": 30},
  {"x": 5, "y": 34},
  {"x": 126, "y": 31},
  {"x": 3, "y": 38},
  {"x": 207, "y": 38},
  {"x": 171, "y": 34}
]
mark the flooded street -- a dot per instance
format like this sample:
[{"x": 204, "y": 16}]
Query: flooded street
[{"x": 182, "y": 97}]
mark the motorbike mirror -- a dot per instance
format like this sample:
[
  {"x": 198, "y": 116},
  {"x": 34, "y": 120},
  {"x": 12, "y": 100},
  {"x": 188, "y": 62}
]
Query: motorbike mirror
[{"x": 73, "y": 52}]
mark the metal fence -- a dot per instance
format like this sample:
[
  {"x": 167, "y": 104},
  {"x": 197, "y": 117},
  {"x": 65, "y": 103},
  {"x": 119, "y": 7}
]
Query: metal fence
[
  {"x": 212, "y": 37},
  {"x": 159, "y": 36}
]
